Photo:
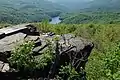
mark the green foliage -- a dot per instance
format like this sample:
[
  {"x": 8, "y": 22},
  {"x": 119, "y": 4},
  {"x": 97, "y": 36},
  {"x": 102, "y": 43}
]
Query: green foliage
[
  {"x": 103, "y": 64},
  {"x": 21, "y": 57},
  {"x": 43, "y": 26},
  {"x": 47, "y": 56},
  {"x": 83, "y": 5},
  {"x": 44, "y": 59},
  {"x": 112, "y": 63},
  {"x": 56, "y": 38},
  {"x": 20, "y": 11},
  {"x": 3, "y": 25},
  {"x": 68, "y": 73},
  {"x": 103, "y": 17}
]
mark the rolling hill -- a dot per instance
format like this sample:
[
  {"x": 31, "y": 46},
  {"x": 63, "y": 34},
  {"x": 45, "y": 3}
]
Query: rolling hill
[
  {"x": 84, "y": 5},
  {"x": 21, "y": 11},
  {"x": 98, "y": 11}
]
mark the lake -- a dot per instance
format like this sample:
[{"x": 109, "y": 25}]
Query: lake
[{"x": 55, "y": 20}]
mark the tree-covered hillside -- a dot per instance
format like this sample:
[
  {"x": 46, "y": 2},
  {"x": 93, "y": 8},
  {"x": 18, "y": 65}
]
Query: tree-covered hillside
[
  {"x": 98, "y": 11},
  {"x": 91, "y": 17},
  {"x": 73, "y": 5},
  {"x": 110, "y": 4},
  {"x": 77, "y": 5},
  {"x": 21, "y": 11}
]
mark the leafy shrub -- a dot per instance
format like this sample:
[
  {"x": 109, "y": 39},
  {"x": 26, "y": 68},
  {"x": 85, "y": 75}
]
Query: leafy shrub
[
  {"x": 68, "y": 73},
  {"x": 47, "y": 56},
  {"x": 21, "y": 57},
  {"x": 112, "y": 63}
]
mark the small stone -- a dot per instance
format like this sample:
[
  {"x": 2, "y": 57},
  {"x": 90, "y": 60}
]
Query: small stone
[
  {"x": 6, "y": 67},
  {"x": 1, "y": 65},
  {"x": 1, "y": 62}
]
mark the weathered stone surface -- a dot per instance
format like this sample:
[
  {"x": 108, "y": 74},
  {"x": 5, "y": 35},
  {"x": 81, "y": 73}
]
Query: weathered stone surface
[
  {"x": 32, "y": 38},
  {"x": 9, "y": 42},
  {"x": 14, "y": 29},
  {"x": 1, "y": 65},
  {"x": 6, "y": 67},
  {"x": 12, "y": 36},
  {"x": 72, "y": 50}
]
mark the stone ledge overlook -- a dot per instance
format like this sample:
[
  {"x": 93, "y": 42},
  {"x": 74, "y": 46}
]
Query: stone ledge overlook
[{"x": 76, "y": 47}]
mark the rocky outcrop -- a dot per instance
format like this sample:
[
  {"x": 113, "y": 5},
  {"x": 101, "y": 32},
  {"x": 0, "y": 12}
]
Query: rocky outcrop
[
  {"x": 70, "y": 49},
  {"x": 11, "y": 37}
]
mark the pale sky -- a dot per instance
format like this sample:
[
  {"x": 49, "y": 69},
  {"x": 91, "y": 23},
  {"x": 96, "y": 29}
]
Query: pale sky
[{"x": 70, "y": 0}]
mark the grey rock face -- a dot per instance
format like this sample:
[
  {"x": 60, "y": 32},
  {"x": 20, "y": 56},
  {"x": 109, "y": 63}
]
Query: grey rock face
[
  {"x": 1, "y": 65},
  {"x": 14, "y": 36},
  {"x": 11, "y": 37},
  {"x": 6, "y": 67},
  {"x": 70, "y": 49},
  {"x": 9, "y": 42}
]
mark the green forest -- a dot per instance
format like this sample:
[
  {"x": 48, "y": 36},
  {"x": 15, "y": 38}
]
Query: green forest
[
  {"x": 102, "y": 17},
  {"x": 104, "y": 62},
  {"x": 99, "y": 23},
  {"x": 20, "y": 11}
]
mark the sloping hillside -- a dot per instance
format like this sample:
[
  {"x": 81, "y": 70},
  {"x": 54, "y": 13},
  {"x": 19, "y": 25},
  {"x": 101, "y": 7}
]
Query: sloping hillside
[
  {"x": 91, "y": 17},
  {"x": 77, "y": 5},
  {"x": 99, "y": 11},
  {"x": 73, "y": 5},
  {"x": 20, "y": 11}
]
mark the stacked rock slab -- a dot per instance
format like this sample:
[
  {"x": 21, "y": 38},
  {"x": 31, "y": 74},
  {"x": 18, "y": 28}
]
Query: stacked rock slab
[{"x": 10, "y": 37}]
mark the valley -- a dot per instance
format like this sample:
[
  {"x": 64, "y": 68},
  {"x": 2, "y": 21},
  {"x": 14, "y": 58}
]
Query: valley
[{"x": 20, "y": 11}]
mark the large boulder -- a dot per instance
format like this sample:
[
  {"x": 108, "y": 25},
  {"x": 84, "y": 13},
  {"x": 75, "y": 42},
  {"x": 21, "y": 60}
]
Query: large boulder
[
  {"x": 75, "y": 50},
  {"x": 9, "y": 42},
  {"x": 71, "y": 50},
  {"x": 12, "y": 36}
]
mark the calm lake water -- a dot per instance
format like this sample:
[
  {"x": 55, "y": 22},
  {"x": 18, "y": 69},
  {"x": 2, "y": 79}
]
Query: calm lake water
[{"x": 55, "y": 20}]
